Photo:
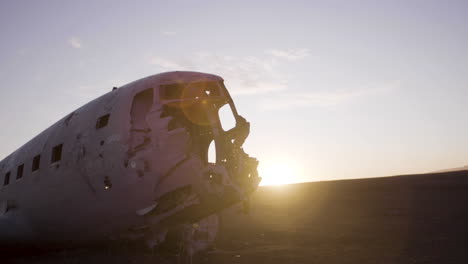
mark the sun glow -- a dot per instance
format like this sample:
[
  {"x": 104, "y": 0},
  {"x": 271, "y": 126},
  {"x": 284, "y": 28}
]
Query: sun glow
[{"x": 278, "y": 172}]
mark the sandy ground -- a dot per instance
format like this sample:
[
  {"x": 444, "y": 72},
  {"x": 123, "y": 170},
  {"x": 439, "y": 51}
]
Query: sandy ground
[{"x": 406, "y": 219}]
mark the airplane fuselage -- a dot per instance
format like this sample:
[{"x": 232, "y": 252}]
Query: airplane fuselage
[{"x": 132, "y": 160}]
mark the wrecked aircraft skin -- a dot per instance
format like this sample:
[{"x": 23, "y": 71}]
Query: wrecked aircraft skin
[{"x": 132, "y": 164}]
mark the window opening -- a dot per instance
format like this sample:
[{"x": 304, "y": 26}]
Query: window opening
[
  {"x": 57, "y": 153},
  {"x": 141, "y": 105},
  {"x": 189, "y": 91},
  {"x": 228, "y": 121},
  {"x": 212, "y": 152},
  {"x": 6, "y": 181},
  {"x": 19, "y": 172},
  {"x": 36, "y": 163},
  {"x": 107, "y": 183},
  {"x": 102, "y": 121}
]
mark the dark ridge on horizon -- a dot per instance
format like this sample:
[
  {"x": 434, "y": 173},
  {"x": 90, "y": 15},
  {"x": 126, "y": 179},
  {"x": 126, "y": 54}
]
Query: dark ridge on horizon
[
  {"x": 428, "y": 174},
  {"x": 453, "y": 169}
]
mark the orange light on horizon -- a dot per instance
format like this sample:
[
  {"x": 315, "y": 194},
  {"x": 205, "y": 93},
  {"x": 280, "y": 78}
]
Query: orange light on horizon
[{"x": 278, "y": 172}]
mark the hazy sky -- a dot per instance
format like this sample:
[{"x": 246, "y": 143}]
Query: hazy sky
[{"x": 333, "y": 89}]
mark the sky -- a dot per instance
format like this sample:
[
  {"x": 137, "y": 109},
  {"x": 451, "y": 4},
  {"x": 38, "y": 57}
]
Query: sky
[{"x": 332, "y": 89}]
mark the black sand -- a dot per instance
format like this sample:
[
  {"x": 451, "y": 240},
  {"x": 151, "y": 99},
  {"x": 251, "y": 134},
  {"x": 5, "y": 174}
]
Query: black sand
[{"x": 405, "y": 219}]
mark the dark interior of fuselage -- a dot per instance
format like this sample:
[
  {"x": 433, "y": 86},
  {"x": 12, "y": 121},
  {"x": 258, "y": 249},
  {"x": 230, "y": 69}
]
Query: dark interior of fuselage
[{"x": 201, "y": 135}]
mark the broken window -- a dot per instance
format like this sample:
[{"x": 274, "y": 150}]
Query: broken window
[
  {"x": 171, "y": 91},
  {"x": 36, "y": 163},
  {"x": 102, "y": 121},
  {"x": 228, "y": 121},
  {"x": 210, "y": 88},
  {"x": 6, "y": 181},
  {"x": 56, "y": 153},
  {"x": 19, "y": 172},
  {"x": 189, "y": 91},
  {"x": 141, "y": 105}
]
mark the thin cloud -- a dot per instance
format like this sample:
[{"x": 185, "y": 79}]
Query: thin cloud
[
  {"x": 324, "y": 99},
  {"x": 290, "y": 54},
  {"x": 168, "y": 33},
  {"x": 165, "y": 63},
  {"x": 243, "y": 75},
  {"x": 252, "y": 75},
  {"x": 75, "y": 42}
]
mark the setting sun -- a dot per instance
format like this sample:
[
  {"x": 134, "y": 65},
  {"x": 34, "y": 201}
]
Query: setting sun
[{"x": 278, "y": 172}]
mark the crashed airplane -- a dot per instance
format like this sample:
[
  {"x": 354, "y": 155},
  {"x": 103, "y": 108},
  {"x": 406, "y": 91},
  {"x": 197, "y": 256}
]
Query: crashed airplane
[{"x": 131, "y": 164}]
